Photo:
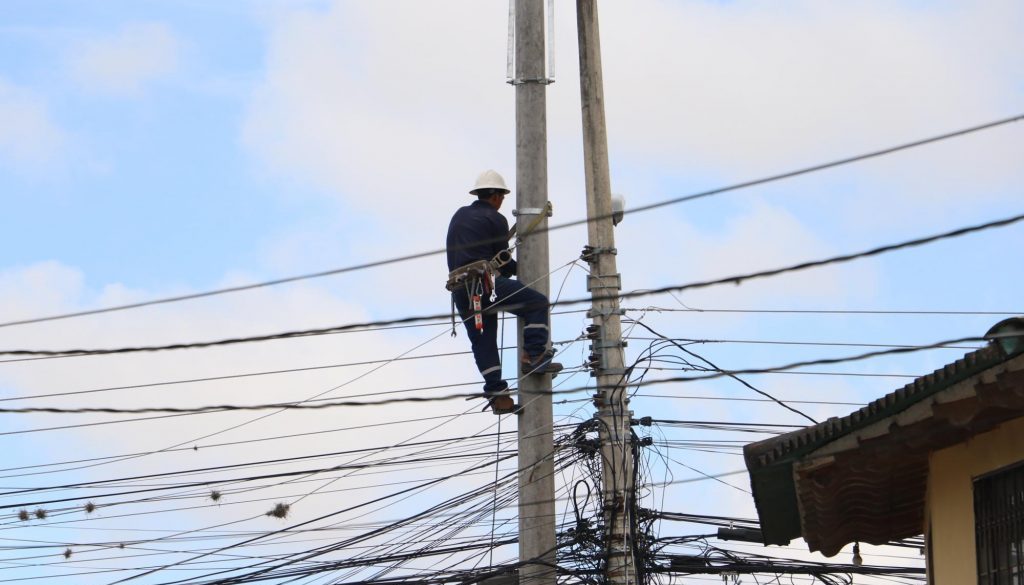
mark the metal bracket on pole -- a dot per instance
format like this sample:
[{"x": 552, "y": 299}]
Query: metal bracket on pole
[
  {"x": 546, "y": 210},
  {"x": 597, "y": 359},
  {"x": 540, "y": 80},
  {"x": 599, "y": 397},
  {"x": 590, "y": 253},
  {"x": 604, "y": 281},
  {"x": 550, "y": 38},
  {"x": 538, "y": 212},
  {"x": 605, "y": 312},
  {"x": 596, "y": 369}
]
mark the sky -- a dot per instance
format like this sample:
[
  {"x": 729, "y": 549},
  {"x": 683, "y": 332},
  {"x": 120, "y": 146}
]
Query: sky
[{"x": 177, "y": 146}]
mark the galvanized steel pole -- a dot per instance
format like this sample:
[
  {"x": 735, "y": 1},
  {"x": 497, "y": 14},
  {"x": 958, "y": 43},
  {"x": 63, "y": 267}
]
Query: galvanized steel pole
[
  {"x": 536, "y": 444},
  {"x": 604, "y": 283}
]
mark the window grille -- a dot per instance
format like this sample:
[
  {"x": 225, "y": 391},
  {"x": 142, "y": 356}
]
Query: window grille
[{"x": 999, "y": 527}]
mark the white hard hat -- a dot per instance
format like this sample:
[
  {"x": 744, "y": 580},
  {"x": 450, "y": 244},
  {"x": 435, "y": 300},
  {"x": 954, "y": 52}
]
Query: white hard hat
[{"x": 489, "y": 179}]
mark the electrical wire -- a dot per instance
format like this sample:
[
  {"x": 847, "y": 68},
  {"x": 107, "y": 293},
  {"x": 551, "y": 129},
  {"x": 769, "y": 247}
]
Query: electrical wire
[
  {"x": 656, "y": 205},
  {"x": 735, "y": 280},
  {"x": 353, "y": 403},
  {"x": 825, "y": 311},
  {"x": 263, "y": 536},
  {"x": 776, "y": 342},
  {"x": 730, "y": 374}
]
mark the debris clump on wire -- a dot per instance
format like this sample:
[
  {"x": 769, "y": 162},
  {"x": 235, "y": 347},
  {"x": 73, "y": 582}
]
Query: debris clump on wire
[
  {"x": 215, "y": 496},
  {"x": 280, "y": 510},
  {"x": 67, "y": 553},
  {"x": 89, "y": 507},
  {"x": 23, "y": 515},
  {"x": 40, "y": 513}
]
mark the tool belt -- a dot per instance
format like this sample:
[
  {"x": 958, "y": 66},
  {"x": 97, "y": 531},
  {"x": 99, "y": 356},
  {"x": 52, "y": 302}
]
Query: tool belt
[
  {"x": 469, "y": 274},
  {"x": 478, "y": 270},
  {"x": 477, "y": 279}
]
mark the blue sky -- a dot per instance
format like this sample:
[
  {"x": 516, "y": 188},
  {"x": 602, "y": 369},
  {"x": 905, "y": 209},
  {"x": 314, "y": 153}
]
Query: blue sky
[
  {"x": 168, "y": 147},
  {"x": 156, "y": 169}
]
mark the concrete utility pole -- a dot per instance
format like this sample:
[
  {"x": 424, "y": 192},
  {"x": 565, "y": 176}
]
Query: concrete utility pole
[
  {"x": 536, "y": 445},
  {"x": 604, "y": 283}
]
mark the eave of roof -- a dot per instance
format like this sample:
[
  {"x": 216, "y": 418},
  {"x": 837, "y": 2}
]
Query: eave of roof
[{"x": 800, "y": 489}]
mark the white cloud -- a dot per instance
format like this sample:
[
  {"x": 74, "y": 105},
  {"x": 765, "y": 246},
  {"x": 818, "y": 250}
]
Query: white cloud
[
  {"x": 752, "y": 87},
  {"x": 51, "y": 288},
  {"x": 763, "y": 237},
  {"x": 122, "y": 64},
  {"x": 36, "y": 289},
  {"x": 29, "y": 137},
  {"x": 359, "y": 101}
]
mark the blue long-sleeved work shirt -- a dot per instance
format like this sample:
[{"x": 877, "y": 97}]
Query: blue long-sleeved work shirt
[{"x": 477, "y": 232}]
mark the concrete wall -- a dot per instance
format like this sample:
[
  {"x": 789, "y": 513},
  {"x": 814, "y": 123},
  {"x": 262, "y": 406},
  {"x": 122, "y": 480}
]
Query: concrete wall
[{"x": 950, "y": 502}]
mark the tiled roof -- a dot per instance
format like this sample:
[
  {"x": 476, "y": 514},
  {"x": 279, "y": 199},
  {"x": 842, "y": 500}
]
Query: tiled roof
[
  {"x": 872, "y": 487},
  {"x": 808, "y": 439}
]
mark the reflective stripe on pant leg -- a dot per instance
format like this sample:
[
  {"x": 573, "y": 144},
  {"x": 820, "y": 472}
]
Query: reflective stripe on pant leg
[
  {"x": 535, "y": 338},
  {"x": 484, "y": 343}
]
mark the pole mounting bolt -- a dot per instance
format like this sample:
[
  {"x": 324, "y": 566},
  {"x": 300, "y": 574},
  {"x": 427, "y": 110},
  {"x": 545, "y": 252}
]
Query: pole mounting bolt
[{"x": 590, "y": 253}]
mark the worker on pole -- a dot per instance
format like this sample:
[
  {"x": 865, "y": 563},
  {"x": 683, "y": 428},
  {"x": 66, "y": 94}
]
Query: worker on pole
[{"x": 480, "y": 269}]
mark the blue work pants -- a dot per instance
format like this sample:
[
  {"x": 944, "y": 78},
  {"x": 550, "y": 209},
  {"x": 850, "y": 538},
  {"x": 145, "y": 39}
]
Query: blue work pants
[{"x": 513, "y": 297}]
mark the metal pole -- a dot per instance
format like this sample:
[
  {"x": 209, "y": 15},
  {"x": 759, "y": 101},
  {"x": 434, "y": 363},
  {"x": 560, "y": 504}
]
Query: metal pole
[
  {"x": 604, "y": 283},
  {"x": 536, "y": 445}
]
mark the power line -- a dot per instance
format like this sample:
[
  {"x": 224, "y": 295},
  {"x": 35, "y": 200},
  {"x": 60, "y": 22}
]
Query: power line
[
  {"x": 330, "y": 548},
  {"x": 800, "y": 364},
  {"x": 421, "y": 514},
  {"x": 209, "y": 482},
  {"x": 835, "y": 374},
  {"x": 371, "y": 362},
  {"x": 718, "y": 424},
  {"x": 318, "y": 395},
  {"x": 442, "y": 321},
  {"x": 731, "y": 375},
  {"x": 735, "y": 280},
  {"x": 405, "y": 258},
  {"x": 733, "y": 399},
  {"x": 775, "y": 342},
  {"x": 825, "y": 311},
  {"x": 827, "y": 261},
  {"x": 271, "y": 373},
  {"x": 263, "y": 535},
  {"x": 297, "y": 525},
  {"x": 352, "y": 403},
  {"x": 142, "y": 419},
  {"x": 368, "y": 450},
  {"x": 185, "y": 533},
  {"x": 239, "y": 376},
  {"x": 212, "y": 446}
]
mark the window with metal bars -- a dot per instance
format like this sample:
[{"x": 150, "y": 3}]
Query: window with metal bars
[{"x": 999, "y": 526}]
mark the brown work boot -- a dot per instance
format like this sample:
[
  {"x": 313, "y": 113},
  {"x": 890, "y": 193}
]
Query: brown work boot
[
  {"x": 540, "y": 364},
  {"x": 501, "y": 404}
]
